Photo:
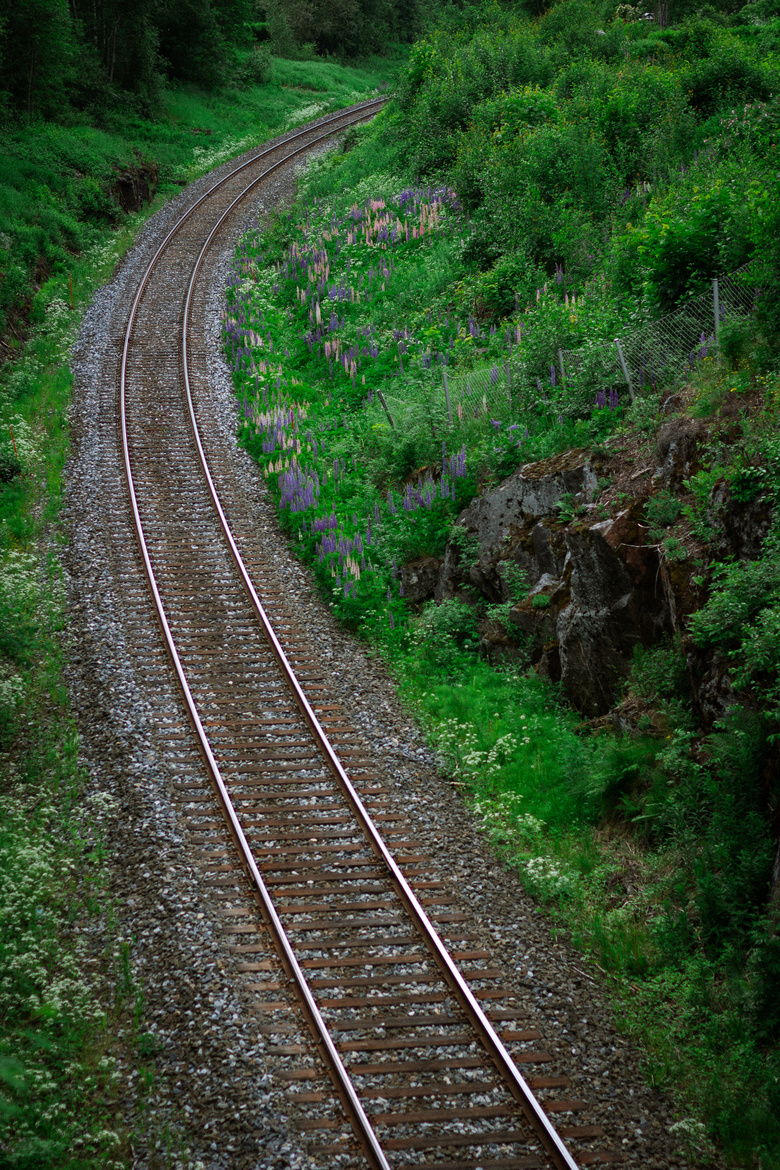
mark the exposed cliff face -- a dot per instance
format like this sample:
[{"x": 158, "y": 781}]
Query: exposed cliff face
[
  {"x": 594, "y": 583},
  {"x": 593, "y": 590}
]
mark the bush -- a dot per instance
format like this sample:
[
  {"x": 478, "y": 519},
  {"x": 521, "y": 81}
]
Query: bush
[
  {"x": 444, "y": 627},
  {"x": 258, "y": 68}
]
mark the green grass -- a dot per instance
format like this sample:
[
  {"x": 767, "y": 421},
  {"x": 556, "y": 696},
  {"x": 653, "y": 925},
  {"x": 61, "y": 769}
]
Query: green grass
[
  {"x": 57, "y": 1084},
  {"x": 55, "y": 180}
]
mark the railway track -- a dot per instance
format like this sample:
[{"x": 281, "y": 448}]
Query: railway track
[{"x": 416, "y": 1045}]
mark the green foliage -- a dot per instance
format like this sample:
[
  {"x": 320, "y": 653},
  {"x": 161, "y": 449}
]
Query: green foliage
[
  {"x": 58, "y": 1096},
  {"x": 701, "y": 486},
  {"x": 662, "y": 510},
  {"x": 443, "y": 629},
  {"x": 58, "y": 195},
  {"x": 684, "y": 247},
  {"x": 735, "y": 340},
  {"x": 660, "y": 672}
]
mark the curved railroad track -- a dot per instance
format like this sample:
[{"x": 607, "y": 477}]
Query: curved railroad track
[{"x": 411, "y": 1027}]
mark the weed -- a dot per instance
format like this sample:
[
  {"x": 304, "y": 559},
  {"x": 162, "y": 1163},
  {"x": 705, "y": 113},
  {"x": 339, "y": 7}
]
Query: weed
[
  {"x": 662, "y": 510},
  {"x": 674, "y": 550}
]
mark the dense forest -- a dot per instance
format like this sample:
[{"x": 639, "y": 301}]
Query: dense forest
[
  {"x": 546, "y": 178},
  {"x": 64, "y": 56}
]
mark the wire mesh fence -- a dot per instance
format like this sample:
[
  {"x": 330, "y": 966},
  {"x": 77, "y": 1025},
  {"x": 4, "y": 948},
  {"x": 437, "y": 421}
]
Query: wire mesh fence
[
  {"x": 661, "y": 350},
  {"x": 597, "y": 373}
]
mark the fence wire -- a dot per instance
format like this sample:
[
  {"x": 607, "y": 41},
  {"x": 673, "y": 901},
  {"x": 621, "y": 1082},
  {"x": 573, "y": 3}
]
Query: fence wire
[
  {"x": 663, "y": 349},
  {"x": 594, "y": 373}
]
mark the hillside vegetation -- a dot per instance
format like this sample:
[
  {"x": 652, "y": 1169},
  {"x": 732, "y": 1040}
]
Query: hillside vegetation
[{"x": 541, "y": 185}]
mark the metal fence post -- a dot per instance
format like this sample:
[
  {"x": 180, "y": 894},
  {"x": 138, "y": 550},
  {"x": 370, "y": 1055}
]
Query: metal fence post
[
  {"x": 446, "y": 393},
  {"x": 716, "y": 306},
  {"x": 624, "y": 368},
  {"x": 381, "y": 398}
]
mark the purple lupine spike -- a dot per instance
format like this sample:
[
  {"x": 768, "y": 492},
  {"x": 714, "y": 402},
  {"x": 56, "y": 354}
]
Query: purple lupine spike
[
  {"x": 552, "y": 375},
  {"x": 494, "y": 375},
  {"x": 613, "y": 399},
  {"x": 601, "y": 399},
  {"x": 391, "y": 619}
]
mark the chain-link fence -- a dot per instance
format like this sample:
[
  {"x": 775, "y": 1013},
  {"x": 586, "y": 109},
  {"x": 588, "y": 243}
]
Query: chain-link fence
[
  {"x": 661, "y": 350},
  {"x": 594, "y": 374}
]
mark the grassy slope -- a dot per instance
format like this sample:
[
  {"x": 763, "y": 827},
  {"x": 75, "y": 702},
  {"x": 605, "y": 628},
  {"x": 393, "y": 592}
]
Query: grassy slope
[
  {"x": 56, "y": 1022},
  {"x": 55, "y": 202},
  {"x": 654, "y": 849}
]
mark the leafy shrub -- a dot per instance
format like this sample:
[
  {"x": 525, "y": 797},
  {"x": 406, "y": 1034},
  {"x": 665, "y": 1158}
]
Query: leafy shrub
[
  {"x": 444, "y": 627},
  {"x": 763, "y": 972},
  {"x": 685, "y": 246},
  {"x": 741, "y": 592},
  {"x": 258, "y": 67},
  {"x": 746, "y": 483},
  {"x": 701, "y": 486},
  {"x": 660, "y": 672},
  {"x": 662, "y": 510},
  {"x": 736, "y": 338},
  {"x": 10, "y": 466},
  {"x": 724, "y": 76}
]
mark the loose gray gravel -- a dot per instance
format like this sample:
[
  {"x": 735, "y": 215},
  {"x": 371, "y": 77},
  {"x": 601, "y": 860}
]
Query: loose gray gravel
[{"x": 215, "y": 1102}]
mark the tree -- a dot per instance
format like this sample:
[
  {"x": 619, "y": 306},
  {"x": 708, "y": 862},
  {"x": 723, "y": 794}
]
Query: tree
[{"x": 37, "y": 51}]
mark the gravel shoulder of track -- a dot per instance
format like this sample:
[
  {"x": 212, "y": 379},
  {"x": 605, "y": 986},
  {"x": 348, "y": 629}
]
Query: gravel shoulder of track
[{"x": 213, "y": 1094}]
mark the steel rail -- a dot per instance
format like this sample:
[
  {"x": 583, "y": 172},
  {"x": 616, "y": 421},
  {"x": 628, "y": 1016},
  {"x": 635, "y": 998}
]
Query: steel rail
[
  {"x": 343, "y": 1083},
  {"x": 490, "y": 1039},
  {"x": 491, "y": 1042}
]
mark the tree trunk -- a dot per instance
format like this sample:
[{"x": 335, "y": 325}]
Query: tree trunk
[
  {"x": 113, "y": 51},
  {"x": 30, "y": 83},
  {"x": 774, "y": 895}
]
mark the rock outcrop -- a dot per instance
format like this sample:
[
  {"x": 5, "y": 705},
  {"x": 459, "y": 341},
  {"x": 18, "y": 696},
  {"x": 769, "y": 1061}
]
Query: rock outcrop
[
  {"x": 587, "y": 583},
  {"x": 592, "y": 589},
  {"x": 136, "y": 185}
]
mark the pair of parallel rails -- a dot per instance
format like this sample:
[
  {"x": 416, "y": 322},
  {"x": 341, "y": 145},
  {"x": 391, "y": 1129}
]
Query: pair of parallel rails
[{"x": 408, "y": 1041}]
